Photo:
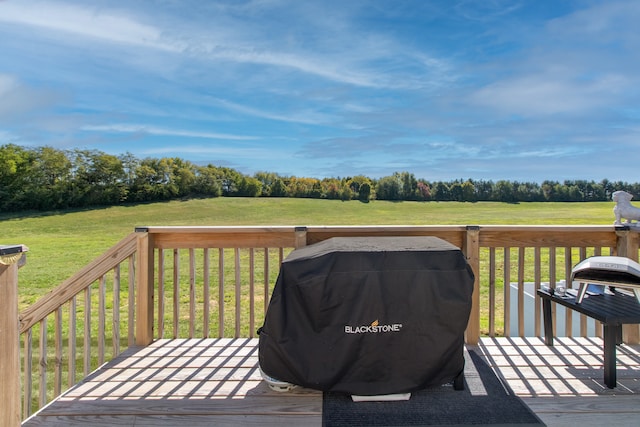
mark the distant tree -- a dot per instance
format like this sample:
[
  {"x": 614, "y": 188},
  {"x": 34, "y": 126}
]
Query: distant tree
[
  {"x": 468, "y": 191},
  {"x": 424, "y": 190},
  {"x": 346, "y": 193},
  {"x": 99, "y": 179},
  {"x": 15, "y": 162},
  {"x": 549, "y": 189},
  {"x": 483, "y": 190},
  {"x": 278, "y": 188},
  {"x": 249, "y": 187},
  {"x": 47, "y": 180},
  {"x": 527, "y": 192},
  {"x": 364, "y": 192},
  {"x": 360, "y": 186},
  {"x": 206, "y": 182},
  {"x": 455, "y": 191},
  {"x": 389, "y": 188},
  {"x": 504, "y": 191},
  {"x": 183, "y": 176},
  {"x": 408, "y": 185},
  {"x": 607, "y": 189},
  {"x": 303, "y": 187},
  {"x": 440, "y": 192},
  {"x": 331, "y": 188},
  {"x": 267, "y": 179}
]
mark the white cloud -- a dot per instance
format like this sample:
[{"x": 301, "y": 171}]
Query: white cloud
[
  {"x": 306, "y": 117},
  {"x": 17, "y": 99},
  {"x": 255, "y": 154},
  {"x": 545, "y": 95},
  {"x": 154, "y": 130},
  {"x": 579, "y": 64},
  {"x": 486, "y": 10},
  {"x": 345, "y": 57},
  {"x": 81, "y": 21}
]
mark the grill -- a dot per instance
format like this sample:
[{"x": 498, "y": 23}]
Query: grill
[
  {"x": 368, "y": 316},
  {"x": 611, "y": 271}
]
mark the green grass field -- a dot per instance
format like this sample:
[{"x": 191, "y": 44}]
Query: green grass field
[{"x": 60, "y": 243}]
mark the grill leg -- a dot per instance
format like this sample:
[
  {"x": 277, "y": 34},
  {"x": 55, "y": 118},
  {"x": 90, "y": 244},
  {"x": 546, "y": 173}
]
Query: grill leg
[
  {"x": 458, "y": 381},
  {"x": 548, "y": 322},
  {"x": 610, "y": 339}
]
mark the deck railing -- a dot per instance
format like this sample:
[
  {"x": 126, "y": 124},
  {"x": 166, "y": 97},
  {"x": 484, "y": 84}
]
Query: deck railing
[{"x": 188, "y": 282}]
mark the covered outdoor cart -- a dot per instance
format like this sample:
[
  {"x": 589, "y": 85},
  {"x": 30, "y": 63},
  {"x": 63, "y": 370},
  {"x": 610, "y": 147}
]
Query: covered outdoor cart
[{"x": 368, "y": 315}]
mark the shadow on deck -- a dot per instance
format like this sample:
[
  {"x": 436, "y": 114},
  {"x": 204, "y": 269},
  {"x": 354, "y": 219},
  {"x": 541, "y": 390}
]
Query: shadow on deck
[{"x": 204, "y": 382}]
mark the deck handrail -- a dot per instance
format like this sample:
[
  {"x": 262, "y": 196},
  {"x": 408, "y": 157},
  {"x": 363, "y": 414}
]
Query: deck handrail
[
  {"x": 78, "y": 282},
  {"x": 185, "y": 297}
]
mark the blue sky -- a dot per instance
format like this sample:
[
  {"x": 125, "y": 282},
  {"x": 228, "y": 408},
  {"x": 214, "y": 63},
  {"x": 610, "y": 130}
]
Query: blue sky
[{"x": 444, "y": 89}]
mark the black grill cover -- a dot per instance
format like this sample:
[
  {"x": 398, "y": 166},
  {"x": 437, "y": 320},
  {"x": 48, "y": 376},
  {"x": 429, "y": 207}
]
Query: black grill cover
[{"x": 368, "y": 315}]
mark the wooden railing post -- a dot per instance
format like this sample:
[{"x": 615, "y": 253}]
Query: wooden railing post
[
  {"x": 627, "y": 246},
  {"x": 301, "y": 237},
  {"x": 11, "y": 257},
  {"x": 471, "y": 250},
  {"x": 144, "y": 292}
]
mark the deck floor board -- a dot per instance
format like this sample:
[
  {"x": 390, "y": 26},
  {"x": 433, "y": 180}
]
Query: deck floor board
[{"x": 204, "y": 382}]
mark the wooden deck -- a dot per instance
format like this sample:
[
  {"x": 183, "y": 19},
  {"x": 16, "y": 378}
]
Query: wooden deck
[{"x": 204, "y": 382}]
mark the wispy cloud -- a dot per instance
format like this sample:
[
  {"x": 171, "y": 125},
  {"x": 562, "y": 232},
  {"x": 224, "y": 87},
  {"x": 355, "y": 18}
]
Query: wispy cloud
[
  {"x": 79, "y": 22},
  {"x": 154, "y": 130},
  {"x": 19, "y": 100},
  {"x": 83, "y": 21},
  {"x": 548, "y": 94},
  {"x": 306, "y": 117},
  {"x": 324, "y": 87},
  {"x": 227, "y": 151}
]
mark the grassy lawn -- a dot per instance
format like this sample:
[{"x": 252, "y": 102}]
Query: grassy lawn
[{"x": 62, "y": 242}]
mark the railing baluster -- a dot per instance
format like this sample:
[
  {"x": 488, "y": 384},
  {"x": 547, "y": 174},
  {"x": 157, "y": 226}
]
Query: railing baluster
[
  {"x": 72, "y": 342},
  {"x": 568, "y": 314},
  {"x": 238, "y": 292},
  {"x": 598, "y": 252},
  {"x": 206, "y": 285},
  {"x": 43, "y": 363},
  {"x": 521, "y": 291},
  {"x": 57, "y": 380},
  {"x": 161, "y": 293},
  {"x": 583, "y": 319},
  {"x": 87, "y": 331},
  {"x": 266, "y": 281},
  {"x": 28, "y": 373},
  {"x": 192, "y": 292},
  {"x": 102, "y": 295},
  {"x": 115, "y": 319},
  {"x": 552, "y": 284},
  {"x": 176, "y": 293},
  {"x": 537, "y": 282},
  {"x": 221, "y": 292},
  {"x": 506, "y": 264},
  {"x": 132, "y": 300},
  {"x": 252, "y": 316},
  {"x": 492, "y": 292}
]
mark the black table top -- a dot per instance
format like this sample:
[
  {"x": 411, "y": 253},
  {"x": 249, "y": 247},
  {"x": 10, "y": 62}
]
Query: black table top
[{"x": 614, "y": 308}]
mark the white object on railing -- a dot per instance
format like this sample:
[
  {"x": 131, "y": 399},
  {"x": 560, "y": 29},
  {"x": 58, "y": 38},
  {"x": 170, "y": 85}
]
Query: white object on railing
[{"x": 624, "y": 209}]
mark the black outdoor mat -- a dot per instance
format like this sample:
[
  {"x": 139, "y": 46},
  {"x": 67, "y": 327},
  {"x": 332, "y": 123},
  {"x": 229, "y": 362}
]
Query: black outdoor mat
[{"x": 484, "y": 401}]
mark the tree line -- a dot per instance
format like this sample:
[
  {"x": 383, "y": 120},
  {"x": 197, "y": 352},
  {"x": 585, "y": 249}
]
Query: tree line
[{"x": 46, "y": 178}]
